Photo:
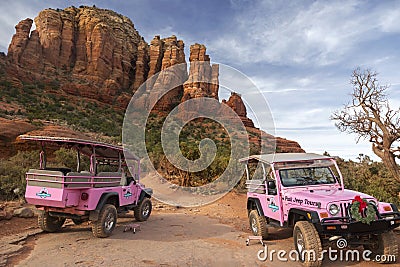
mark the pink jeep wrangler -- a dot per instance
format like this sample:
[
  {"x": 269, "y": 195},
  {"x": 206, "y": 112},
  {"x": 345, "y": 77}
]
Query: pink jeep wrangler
[
  {"x": 306, "y": 191},
  {"x": 86, "y": 195}
]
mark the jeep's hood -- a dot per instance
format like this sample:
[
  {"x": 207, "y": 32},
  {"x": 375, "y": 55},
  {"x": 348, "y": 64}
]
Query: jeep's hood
[{"x": 322, "y": 197}]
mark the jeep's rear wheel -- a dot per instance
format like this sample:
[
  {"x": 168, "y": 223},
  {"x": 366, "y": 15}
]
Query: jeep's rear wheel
[
  {"x": 307, "y": 243},
  {"x": 104, "y": 226},
  {"x": 143, "y": 210},
  {"x": 384, "y": 245},
  {"x": 49, "y": 223},
  {"x": 258, "y": 224}
]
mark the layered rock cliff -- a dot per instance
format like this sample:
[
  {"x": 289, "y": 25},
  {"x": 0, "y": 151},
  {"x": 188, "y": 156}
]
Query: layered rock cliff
[
  {"x": 165, "y": 53},
  {"x": 203, "y": 77},
  {"x": 235, "y": 102},
  {"x": 92, "y": 52},
  {"x": 98, "y": 54}
]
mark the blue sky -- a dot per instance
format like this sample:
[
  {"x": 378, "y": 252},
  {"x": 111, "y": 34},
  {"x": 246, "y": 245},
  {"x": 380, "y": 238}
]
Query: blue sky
[{"x": 299, "y": 53}]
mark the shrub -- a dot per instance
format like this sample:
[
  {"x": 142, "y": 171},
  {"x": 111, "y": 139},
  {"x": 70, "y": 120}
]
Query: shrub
[{"x": 12, "y": 173}]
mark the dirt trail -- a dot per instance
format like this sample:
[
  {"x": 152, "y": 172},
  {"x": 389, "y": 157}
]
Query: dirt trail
[{"x": 212, "y": 235}]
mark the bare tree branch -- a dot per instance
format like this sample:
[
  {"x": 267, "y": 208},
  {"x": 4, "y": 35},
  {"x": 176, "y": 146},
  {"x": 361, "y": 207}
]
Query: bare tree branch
[{"x": 370, "y": 117}]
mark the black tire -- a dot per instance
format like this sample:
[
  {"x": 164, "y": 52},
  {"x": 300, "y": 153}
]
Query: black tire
[
  {"x": 306, "y": 238},
  {"x": 384, "y": 245},
  {"x": 258, "y": 224},
  {"x": 49, "y": 223},
  {"x": 77, "y": 221},
  {"x": 143, "y": 210},
  {"x": 104, "y": 226}
]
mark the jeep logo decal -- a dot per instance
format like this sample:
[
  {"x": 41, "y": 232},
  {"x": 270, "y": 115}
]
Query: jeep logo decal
[
  {"x": 128, "y": 194},
  {"x": 272, "y": 205},
  {"x": 43, "y": 193}
]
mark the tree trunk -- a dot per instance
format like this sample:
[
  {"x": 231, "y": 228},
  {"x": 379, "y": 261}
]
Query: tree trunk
[
  {"x": 387, "y": 158},
  {"x": 390, "y": 163}
]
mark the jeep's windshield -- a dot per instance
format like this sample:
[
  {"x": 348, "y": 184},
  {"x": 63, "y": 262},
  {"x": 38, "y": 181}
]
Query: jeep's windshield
[{"x": 306, "y": 176}]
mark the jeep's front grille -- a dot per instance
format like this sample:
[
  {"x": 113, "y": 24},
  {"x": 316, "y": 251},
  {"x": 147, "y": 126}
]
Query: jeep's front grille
[{"x": 344, "y": 209}]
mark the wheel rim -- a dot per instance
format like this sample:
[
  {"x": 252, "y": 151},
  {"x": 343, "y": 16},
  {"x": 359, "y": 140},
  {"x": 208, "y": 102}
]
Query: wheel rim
[
  {"x": 109, "y": 222},
  {"x": 146, "y": 210},
  {"x": 254, "y": 226},
  {"x": 299, "y": 242}
]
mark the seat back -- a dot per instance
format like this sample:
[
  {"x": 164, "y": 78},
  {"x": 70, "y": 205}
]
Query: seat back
[
  {"x": 107, "y": 179},
  {"x": 47, "y": 178},
  {"x": 76, "y": 179}
]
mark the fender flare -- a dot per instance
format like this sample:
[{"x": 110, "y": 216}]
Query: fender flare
[
  {"x": 146, "y": 192},
  {"x": 310, "y": 216},
  {"x": 94, "y": 214},
  {"x": 256, "y": 202}
]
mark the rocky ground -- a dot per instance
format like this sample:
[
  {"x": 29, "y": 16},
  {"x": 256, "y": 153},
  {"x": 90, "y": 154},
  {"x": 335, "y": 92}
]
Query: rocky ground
[{"x": 213, "y": 235}]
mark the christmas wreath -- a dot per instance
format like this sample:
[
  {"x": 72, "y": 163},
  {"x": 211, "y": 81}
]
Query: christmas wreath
[{"x": 362, "y": 211}]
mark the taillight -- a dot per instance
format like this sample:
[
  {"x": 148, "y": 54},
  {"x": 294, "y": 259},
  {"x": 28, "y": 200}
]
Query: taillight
[
  {"x": 85, "y": 196},
  {"x": 387, "y": 208}
]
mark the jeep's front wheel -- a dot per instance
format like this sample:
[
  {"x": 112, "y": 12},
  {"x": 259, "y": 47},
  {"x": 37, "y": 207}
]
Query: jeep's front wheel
[
  {"x": 258, "y": 224},
  {"x": 384, "y": 245},
  {"x": 307, "y": 243},
  {"x": 143, "y": 210},
  {"x": 49, "y": 223},
  {"x": 104, "y": 226}
]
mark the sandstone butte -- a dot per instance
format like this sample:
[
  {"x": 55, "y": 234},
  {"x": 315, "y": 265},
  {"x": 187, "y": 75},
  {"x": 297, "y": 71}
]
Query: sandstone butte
[{"x": 99, "y": 55}]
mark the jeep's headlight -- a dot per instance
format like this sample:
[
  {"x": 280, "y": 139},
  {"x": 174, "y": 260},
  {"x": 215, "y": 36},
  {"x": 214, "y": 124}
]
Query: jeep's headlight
[
  {"x": 373, "y": 202},
  {"x": 334, "y": 209}
]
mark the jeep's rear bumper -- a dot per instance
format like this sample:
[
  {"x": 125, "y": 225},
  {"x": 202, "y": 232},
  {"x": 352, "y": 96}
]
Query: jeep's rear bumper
[{"x": 344, "y": 226}]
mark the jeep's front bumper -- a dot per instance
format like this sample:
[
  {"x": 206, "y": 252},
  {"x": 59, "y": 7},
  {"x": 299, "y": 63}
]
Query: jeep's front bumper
[{"x": 345, "y": 226}]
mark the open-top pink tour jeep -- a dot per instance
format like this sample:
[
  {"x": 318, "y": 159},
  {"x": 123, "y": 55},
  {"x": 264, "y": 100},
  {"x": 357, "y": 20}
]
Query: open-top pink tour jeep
[
  {"x": 86, "y": 195},
  {"x": 306, "y": 191}
]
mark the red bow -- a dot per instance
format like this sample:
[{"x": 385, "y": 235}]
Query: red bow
[{"x": 363, "y": 204}]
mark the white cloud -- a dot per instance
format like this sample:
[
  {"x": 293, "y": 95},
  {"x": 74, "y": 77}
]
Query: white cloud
[
  {"x": 301, "y": 117},
  {"x": 296, "y": 84},
  {"x": 319, "y": 33},
  {"x": 389, "y": 21},
  {"x": 330, "y": 140}
]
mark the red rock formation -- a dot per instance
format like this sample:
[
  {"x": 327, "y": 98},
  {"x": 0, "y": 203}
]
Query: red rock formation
[
  {"x": 9, "y": 130},
  {"x": 203, "y": 78},
  {"x": 173, "y": 52},
  {"x": 98, "y": 54},
  {"x": 142, "y": 68},
  {"x": 214, "y": 86},
  {"x": 235, "y": 102},
  {"x": 48, "y": 130},
  {"x": 165, "y": 53},
  {"x": 156, "y": 54},
  {"x": 19, "y": 40},
  {"x": 287, "y": 146},
  {"x": 271, "y": 143},
  {"x": 173, "y": 55},
  {"x": 92, "y": 52}
]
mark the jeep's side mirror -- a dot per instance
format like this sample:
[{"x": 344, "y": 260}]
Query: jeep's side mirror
[{"x": 271, "y": 185}]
